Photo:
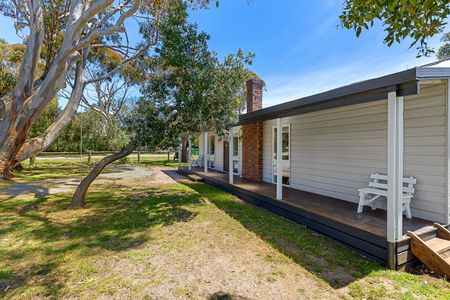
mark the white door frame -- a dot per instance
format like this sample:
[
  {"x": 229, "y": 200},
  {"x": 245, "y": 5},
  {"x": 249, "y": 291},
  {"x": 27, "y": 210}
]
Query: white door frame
[
  {"x": 238, "y": 156},
  {"x": 286, "y": 163}
]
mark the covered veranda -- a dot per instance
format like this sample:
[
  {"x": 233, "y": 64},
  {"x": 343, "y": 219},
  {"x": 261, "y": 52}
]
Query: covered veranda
[{"x": 336, "y": 218}]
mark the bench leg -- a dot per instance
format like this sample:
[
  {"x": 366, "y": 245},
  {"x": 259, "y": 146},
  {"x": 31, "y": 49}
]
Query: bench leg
[
  {"x": 407, "y": 209},
  {"x": 362, "y": 198}
]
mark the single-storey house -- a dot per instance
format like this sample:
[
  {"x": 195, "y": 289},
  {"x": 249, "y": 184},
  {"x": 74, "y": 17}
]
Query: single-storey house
[{"x": 327, "y": 146}]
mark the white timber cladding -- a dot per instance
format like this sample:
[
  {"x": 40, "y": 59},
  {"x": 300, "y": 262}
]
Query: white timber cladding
[
  {"x": 218, "y": 151},
  {"x": 333, "y": 152},
  {"x": 448, "y": 151}
]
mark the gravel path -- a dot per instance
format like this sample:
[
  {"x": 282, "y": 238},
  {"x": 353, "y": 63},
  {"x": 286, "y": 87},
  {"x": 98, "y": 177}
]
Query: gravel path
[{"x": 126, "y": 175}]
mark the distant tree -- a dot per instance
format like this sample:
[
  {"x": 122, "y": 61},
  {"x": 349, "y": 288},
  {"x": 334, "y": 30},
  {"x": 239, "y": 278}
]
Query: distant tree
[
  {"x": 10, "y": 58},
  {"x": 401, "y": 19},
  {"x": 98, "y": 134},
  {"x": 444, "y": 50},
  {"x": 48, "y": 116}
]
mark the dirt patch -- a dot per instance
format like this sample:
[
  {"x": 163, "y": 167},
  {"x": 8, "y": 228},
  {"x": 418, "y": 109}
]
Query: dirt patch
[
  {"x": 125, "y": 175},
  {"x": 201, "y": 260}
]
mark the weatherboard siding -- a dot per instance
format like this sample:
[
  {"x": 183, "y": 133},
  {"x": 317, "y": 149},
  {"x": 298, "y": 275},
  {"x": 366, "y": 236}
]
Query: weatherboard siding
[
  {"x": 334, "y": 151},
  {"x": 426, "y": 150}
]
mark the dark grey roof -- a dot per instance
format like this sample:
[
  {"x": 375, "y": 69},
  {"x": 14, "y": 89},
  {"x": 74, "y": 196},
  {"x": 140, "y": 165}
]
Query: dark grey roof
[{"x": 405, "y": 83}]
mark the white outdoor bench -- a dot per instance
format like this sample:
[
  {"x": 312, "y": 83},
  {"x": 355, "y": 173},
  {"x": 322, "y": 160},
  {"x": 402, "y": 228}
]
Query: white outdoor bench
[{"x": 378, "y": 188}]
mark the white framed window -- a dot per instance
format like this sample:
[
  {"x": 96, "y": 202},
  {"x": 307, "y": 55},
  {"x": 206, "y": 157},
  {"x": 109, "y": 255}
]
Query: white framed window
[
  {"x": 212, "y": 150},
  {"x": 285, "y": 154},
  {"x": 235, "y": 150}
]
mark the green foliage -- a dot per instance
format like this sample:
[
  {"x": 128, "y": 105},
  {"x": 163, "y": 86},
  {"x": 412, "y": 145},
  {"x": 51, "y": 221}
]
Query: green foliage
[
  {"x": 190, "y": 82},
  {"x": 10, "y": 57},
  {"x": 417, "y": 20},
  {"x": 46, "y": 119},
  {"x": 444, "y": 50},
  {"x": 98, "y": 135},
  {"x": 55, "y": 17}
]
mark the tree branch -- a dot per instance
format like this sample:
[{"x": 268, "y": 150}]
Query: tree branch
[
  {"x": 38, "y": 144},
  {"x": 28, "y": 68},
  {"x": 95, "y": 33},
  {"x": 119, "y": 66}
]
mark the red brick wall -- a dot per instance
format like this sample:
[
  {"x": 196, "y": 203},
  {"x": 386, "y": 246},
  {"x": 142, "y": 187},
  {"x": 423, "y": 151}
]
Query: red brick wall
[
  {"x": 254, "y": 95},
  {"x": 252, "y": 134},
  {"x": 252, "y": 151}
]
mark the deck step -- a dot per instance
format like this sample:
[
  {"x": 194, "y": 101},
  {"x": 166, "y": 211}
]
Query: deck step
[
  {"x": 438, "y": 245},
  {"x": 194, "y": 178},
  {"x": 433, "y": 251}
]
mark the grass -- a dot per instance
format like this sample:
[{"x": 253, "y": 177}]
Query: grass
[
  {"x": 170, "y": 241},
  {"x": 65, "y": 168}
]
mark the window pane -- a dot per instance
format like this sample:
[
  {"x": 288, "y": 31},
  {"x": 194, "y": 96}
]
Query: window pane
[
  {"x": 235, "y": 166},
  {"x": 274, "y": 173},
  {"x": 285, "y": 144},
  {"x": 275, "y": 143},
  {"x": 212, "y": 144},
  {"x": 235, "y": 146}
]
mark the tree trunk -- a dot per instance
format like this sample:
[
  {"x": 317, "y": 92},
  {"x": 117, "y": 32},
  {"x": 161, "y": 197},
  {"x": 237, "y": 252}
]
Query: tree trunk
[
  {"x": 184, "y": 154},
  {"x": 5, "y": 171},
  {"x": 8, "y": 152},
  {"x": 40, "y": 143},
  {"x": 80, "y": 193}
]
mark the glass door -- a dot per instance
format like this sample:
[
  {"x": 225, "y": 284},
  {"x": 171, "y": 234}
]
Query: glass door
[
  {"x": 235, "y": 154},
  {"x": 212, "y": 151},
  {"x": 285, "y": 154}
]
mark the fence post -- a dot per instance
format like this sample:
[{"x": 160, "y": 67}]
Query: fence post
[{"x": 139, "y": 156}]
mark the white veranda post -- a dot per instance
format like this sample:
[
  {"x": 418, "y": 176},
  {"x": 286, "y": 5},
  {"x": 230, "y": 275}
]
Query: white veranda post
[
  {"x": 190, "y": 153},
  {"x": 395, "y": 170},
  {"x": 279, "y": 161},
  {"x": 230, "y": 156},
  {"x": 205, "y": 153}
]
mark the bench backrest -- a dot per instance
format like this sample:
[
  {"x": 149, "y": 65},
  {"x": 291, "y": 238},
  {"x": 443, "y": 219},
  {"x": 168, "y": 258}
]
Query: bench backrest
[{"x": 379, "y": 181}]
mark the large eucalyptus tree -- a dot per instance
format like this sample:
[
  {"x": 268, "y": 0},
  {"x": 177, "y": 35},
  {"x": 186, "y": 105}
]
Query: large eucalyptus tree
[{"x": 63, "y": 33}]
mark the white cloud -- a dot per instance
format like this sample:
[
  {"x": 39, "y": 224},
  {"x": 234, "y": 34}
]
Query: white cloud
[{"x": 286, "y": 87}]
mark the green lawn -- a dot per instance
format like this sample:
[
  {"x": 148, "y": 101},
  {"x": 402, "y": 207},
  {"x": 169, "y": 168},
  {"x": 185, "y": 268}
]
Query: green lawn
[
  {"x": 186, "y": 241},
  {"x": 64, "y": 168}
]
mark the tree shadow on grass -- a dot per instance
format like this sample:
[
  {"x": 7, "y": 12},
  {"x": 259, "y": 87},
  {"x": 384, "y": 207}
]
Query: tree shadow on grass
[
  {"x": 15, "y": 189},
  {"x": 112, "y": 221},
  {"x": 322, "y": 256}
]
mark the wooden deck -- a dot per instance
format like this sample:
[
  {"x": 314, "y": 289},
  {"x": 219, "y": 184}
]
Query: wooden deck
[{"x": 336, "y": 218}]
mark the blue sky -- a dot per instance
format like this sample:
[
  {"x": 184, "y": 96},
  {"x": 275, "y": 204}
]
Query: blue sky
[{"x": 300, "y": 48}]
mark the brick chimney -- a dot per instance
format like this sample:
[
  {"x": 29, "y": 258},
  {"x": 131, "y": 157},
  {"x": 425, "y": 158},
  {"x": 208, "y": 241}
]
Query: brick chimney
[
  {"x": 252, "y": 134},
  {"x": 254, "y": 95}
]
